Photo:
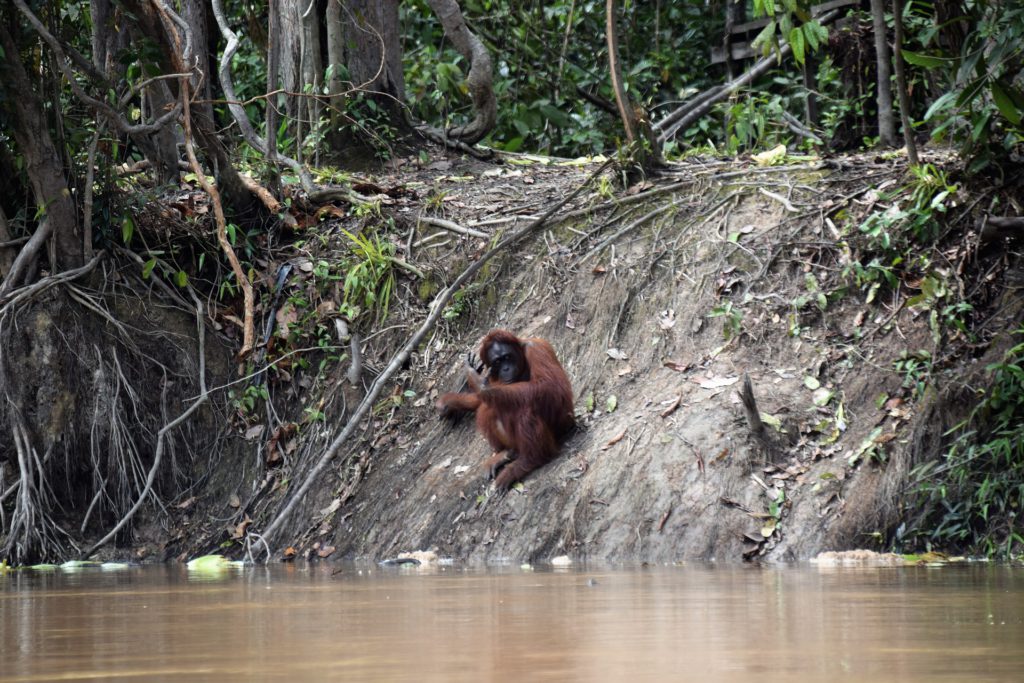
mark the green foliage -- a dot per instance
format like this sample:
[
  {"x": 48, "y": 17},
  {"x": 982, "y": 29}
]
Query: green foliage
[
  {"x": 546, "y": 54},
  {"x": 790, "y": 22},
  {"x": 246, "y": 401},
  {"x": 732, "y": 319},
  {"x": 366, "y": 120},
  {"x": 983, "y": 104},
  {"x": 916, "y": 368},
  {"x": 913, "y": 214},
  {"x": 750, "y": 122},
  {"x": 974, "y": 494},
  {"x": 370, "y": 281}
]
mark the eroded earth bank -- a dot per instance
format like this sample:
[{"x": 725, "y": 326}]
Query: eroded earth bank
[{"x": 658, "y": 298}]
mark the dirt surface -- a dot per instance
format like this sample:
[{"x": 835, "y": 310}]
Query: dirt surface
[{"x": 658, "y": 300}]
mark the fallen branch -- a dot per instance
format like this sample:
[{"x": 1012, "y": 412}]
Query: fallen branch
[
  {"x": 400, "y": 358},
  {"x": 997, "y": 227},
  {"x": 794, "y": 124},
  {"x": 452, "y": 227},
  {"x": 685, "y": 115}
]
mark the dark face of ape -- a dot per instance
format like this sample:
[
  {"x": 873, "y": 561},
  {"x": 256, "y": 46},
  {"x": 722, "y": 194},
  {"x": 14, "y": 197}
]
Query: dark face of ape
[{"x": 507, "y": 363}]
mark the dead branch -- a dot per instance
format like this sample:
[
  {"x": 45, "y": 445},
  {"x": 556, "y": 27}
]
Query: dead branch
[
  {"x": 452, "y": 227},
  {"x": 248, "y": 328},
  {"x": 753, "y": 415},
  {"x": 997, "y": 227},
  {"x": 337, "y": 194},
  {"x": 794, "y": 124},
  {"x": 269, "y": 201},
  {"x": 400, "y": 358}
]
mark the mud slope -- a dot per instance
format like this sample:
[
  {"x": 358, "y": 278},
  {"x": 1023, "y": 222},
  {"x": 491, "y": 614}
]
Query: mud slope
[{"x": 657, "y": 310}]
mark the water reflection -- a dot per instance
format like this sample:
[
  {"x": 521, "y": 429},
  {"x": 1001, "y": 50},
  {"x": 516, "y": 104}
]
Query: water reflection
[{"x": 680, "y": 624}]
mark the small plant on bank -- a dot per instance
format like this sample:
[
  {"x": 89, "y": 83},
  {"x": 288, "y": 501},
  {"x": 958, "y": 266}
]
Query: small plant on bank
[
  {"x": 732, "y": 319},
  {"x": 370, "y": 281},
  {"x": 974, "y": 495}
]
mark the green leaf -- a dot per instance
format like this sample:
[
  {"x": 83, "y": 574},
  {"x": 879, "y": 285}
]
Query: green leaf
[
  {"x": 147, "y": 269},
  {"x": 1005, "y": 104},
  {"x": 927, "y": 61},
  {"x": 939, "y": 105},
  {"x": 181, "y": 279},
  {"x": 765, "y": 38},
  {"x": 971, "y": 91},
  {"x": 810, "y": 35},
  {"x": 514, "y": 144},
  {"x": 980, "y": 125},
  {"x": 796, "y": 40},
  {"x": 127, "y": 228}
]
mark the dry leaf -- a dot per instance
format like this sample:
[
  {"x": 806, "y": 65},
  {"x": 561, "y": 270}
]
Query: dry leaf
[
  {"x": 667, "y": 319},
  {"x": 714, "y": 382},
  {"x": 253, "y": 432},
  {"x": 240, "y": 528},
  {"x": 617, "y": 354},
  {"x": 672, "y": 406},
  {"x": 614, "y": 440}
]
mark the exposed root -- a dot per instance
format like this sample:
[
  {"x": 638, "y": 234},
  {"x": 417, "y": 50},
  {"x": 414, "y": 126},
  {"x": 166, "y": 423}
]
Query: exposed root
[{"x": 161, "y": 440}]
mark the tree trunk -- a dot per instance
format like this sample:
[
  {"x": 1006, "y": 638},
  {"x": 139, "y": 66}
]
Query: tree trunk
[
  {"x": 232, "y": 188},
  {"x": 164, "y": 154},
  {"x": 479, "y": 80},
  {"x": 335, "y": 58},
  {"x": 274, "y": 40},
  {"x": 373, "y": 53},
  {"x": 311, "y": 69},
  {"x": 194, "y": 12},
  {"x": 615, "y": 70},
  {"x": 886, "y": 120},
  {"x": 6, "y": 252},
  {"x": 100, "y": 12},
  {"x": 289, "y": 56},
  {"x": 901, "y": 84},
  {"x": 27, "y": 122}
]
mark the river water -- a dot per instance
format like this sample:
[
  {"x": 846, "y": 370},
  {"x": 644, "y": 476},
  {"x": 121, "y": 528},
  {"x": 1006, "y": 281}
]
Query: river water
[{"x": 329, "y": 623}]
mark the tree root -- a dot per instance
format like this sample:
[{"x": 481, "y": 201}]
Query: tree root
[{"x": 162, "y": 434}]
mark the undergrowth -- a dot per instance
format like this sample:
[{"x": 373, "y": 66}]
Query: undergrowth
[
  {"x": 973, "y": 495},
  {"x": 970, "y": 495}
]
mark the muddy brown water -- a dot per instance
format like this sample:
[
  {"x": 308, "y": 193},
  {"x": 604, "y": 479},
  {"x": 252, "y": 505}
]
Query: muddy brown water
[{"x": 954, "y": 623}]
